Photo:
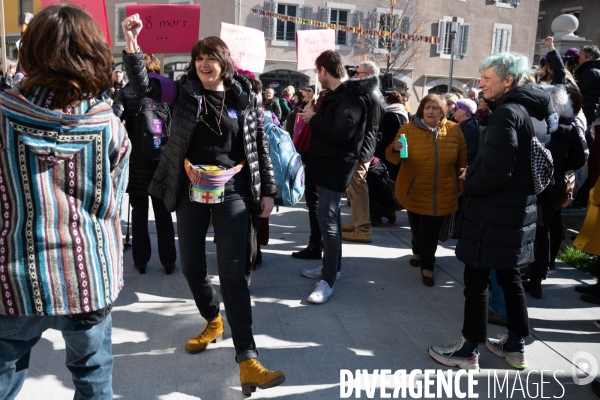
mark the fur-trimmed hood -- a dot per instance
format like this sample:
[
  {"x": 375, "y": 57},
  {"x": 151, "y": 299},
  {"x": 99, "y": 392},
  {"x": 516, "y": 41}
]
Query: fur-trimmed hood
[
  {"x": 362, "y": 86},
  {"x": 561, "y": 101}
]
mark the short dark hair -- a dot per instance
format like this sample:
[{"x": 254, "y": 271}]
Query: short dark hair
[
  {"x": 64, "y": 50},
  {"x": 432, "y": 98},
  {"x": 576, "y": 98},
  {"x": 394, "y": 97},
  {"x": 332, "y": 62},
  {"x": 216, "y": 47},
  {"x": 591, "y": 51},
  {"x": 152, "y": 63}
]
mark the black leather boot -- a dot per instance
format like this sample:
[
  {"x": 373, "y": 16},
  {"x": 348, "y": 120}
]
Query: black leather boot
[{"x": 311, "y": 252}]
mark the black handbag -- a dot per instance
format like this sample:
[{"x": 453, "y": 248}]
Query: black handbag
[{"x": 447, "y": 227}]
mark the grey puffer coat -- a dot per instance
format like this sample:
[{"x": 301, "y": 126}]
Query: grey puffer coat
[{"x": 185, "y": 97}]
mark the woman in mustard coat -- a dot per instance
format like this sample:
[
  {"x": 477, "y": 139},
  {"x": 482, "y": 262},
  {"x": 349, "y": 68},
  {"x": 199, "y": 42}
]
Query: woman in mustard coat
[
  {"x": 588, "y": 240},
  {"x": 427, "y": 184}
]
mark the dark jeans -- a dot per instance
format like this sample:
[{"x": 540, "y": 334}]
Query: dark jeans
[
  {"x": 425, "y": 231},
  {"x": 230, "y": 220},
  {"x": 330, "y": 222},
  {"x": 539, "y": 267},
  {"x": 312, "y": 201},
  {"x": 140, "y": 245},
  {"x": 476, "y": 303}
]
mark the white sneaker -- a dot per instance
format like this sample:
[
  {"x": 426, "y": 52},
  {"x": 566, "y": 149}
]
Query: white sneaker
[
  {"x": 317, "y": 273},
  {"x": 321, "y": 293}
]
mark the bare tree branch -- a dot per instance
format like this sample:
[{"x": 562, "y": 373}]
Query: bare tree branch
[{"x": 400, "y": 18}]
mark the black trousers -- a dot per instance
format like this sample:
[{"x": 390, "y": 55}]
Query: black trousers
[
  {"x": 556, "y": 234},
  {"x": 312, "y": 201},
  {"x": 230, "y": 220},
  {"x": 141, "y": 248},
  {"x": 539, "y": 267},
  {"x": 425, "y": 231},
  {"x": 477, "y": 298}
]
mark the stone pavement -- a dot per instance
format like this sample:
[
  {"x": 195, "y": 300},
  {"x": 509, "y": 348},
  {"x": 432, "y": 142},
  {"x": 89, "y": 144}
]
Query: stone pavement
[{"x": 380, "y": 317}]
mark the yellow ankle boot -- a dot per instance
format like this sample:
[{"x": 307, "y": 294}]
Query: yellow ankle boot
[
  {"x": 253, "y": 375},
  {"x": 212, "y": 333}
]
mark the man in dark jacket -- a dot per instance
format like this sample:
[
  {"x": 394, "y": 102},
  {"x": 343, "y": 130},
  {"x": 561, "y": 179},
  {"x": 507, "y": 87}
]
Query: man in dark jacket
[
  {"x": 117, "y": 84},
  {"x": 588, "y": 80},
  {"x": 271, "y": 103},
  {"x": 500, "y": 212},
  {"x": 366, "y": 84},
  {"x": 337, "y": 136}
]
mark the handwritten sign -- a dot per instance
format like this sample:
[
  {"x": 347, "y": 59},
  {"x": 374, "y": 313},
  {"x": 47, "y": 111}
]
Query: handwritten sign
[
  {"x": 246, "y": 46},
  {"x": 168, "y": 28},
  {"x": 309, "y": 44},
  {"x": 96, "y": 9}
]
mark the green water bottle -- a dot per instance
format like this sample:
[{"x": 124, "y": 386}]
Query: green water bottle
[{"x": 404, "y": 149}]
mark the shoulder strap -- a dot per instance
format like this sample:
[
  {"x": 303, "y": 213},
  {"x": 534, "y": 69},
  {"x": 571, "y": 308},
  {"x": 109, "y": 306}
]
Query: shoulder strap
[{"x": 528, "y": 119}]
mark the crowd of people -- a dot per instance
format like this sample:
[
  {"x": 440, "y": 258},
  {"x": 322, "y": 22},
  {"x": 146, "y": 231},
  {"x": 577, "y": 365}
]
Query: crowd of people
[{"x": 467, "y": 171}]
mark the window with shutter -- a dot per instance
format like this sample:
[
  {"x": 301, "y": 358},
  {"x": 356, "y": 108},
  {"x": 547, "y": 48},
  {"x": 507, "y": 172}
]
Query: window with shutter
[
  {"x": 119, "y": 17},
  {"x": 441, "y": 32},
  {"x": 269, "y": 23}
]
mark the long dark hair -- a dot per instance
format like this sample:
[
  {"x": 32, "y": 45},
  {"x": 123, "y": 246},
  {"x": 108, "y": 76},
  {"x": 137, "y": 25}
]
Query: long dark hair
[{"x": 64, "y": 50}]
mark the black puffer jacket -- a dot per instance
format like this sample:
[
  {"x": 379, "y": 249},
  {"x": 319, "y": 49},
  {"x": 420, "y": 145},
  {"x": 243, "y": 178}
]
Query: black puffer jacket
[
  {"x": 588, "y": 80},
  {"x": 141, "y": 171},
  {"x": 368, "y": 89},
  {"x": 185, "y": 96},
  {"x": 499, "y": 199},
  {"x": 336, "y": 140}
]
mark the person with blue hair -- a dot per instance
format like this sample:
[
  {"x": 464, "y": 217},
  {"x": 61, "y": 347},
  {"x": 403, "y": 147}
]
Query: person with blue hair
[{"x": 500, "y": 211}]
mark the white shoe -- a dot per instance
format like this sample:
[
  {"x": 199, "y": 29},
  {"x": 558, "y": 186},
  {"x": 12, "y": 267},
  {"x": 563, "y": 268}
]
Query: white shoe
[
  {"x": 321, "y": 293},
  {"x": 317, "y": 273}
]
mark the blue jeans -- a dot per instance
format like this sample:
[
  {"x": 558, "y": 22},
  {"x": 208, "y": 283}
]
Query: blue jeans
[
  {"x": 88, "y": 347},
  {"x": 330, "y": 222},
  {"x": 497, "y": 303}
]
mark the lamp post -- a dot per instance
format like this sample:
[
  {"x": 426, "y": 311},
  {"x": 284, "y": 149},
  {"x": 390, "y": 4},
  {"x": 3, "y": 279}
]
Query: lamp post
[{"x": 453, "y": 30}]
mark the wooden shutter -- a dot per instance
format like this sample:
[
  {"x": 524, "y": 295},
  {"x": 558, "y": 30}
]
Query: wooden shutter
[
  {"x": 269, "y": 23},
  {"x": 324, "y": 13},
  {"x": 442, "y": 35},
  {"x": 465, "y": 30},
  {"x": 355, "y": 18},
  {"x": 307, "y": 13},
  {"x": 120, "y": 17}
]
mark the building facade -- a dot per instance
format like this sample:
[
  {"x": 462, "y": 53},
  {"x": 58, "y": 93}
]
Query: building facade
[
  {"x": 14, "y": 13},
  {"x": 586, "y": 11},
  {"x": 482, "y": 27}
]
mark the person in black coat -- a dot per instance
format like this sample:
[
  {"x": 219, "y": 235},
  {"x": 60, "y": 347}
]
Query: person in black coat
[
  {"x": 567, "y": 154},
  {"x": 500, "y": 212},
  {"x": 125, "y": 106},
  {"x": 337, "y": 136},
  {"x": 217, "y": 125},
  {"x": 587, "y": 76},
  {"x": 366, "y": 84},
  {"x": 394, "y": 117}
]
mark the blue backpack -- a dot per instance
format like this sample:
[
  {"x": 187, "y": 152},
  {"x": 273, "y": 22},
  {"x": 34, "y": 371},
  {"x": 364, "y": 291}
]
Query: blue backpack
[{"x": 287, "y": 166}]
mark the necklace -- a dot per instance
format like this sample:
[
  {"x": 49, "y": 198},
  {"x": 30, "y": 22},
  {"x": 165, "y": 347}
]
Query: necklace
[{"x": 220, "y": 133}]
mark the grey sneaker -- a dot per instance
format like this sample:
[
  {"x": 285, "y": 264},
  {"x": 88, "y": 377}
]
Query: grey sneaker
[
  {"x": 321, "y": 294},
  {"x": 512, "y": 351},
  {"x": 458, "y": 353},
  {"x": 317, "y": 273}
]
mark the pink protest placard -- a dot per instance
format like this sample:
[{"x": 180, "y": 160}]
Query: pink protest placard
[
  {"x": 246, "y": 46},
  {"x": 96, "y": 8},
  {"x": 168, "y": 28},
  {"x": 309, "y": 44}
]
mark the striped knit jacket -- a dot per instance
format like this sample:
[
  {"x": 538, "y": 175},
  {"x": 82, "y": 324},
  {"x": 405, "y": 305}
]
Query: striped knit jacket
[{"x": 62, "y": 177}]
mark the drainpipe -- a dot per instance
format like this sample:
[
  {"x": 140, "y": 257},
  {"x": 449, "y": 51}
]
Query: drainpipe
[{"x": 239, "y": 12}]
